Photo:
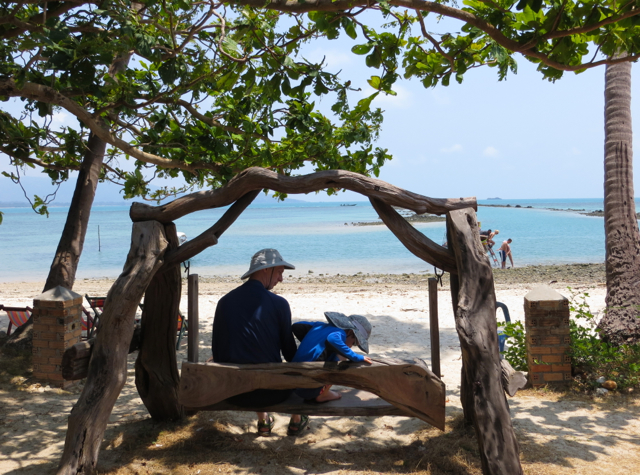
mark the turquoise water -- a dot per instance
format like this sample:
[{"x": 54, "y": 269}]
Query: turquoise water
[{"x": 313, "y": 236}]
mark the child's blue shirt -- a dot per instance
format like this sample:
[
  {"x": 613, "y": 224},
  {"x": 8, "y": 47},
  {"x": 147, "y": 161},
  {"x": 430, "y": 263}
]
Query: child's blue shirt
[{"x": 323, "y": 337}]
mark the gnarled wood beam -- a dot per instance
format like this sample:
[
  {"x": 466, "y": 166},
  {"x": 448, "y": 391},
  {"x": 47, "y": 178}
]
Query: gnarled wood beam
[
  {"x": 259, "y": 178},
  {"x": 417, "y": 243},
  {"x": 209, "y": 237},
  {"x": 412, "y": 387},
  {"x": 482, "y": 395}
]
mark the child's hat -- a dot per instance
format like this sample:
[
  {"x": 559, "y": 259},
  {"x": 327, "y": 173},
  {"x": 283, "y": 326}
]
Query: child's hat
[{"x": 359, "y": 324}]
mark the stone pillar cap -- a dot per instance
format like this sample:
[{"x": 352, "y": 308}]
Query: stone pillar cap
[
  {"x": 58, "y": 294},
  {"x": 544, "y": 293}
]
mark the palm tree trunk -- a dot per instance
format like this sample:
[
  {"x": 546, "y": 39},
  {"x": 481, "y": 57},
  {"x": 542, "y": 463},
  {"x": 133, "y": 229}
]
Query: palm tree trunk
[{"x": 620, "y": 323}]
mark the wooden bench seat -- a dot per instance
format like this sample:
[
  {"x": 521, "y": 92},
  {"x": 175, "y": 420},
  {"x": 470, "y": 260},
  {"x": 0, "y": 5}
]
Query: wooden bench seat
[
  {"x": 402, "y": 387},
  {"x": 354, "y": 402}
]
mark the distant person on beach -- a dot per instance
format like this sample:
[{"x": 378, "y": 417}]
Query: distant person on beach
[
  {"x": 505, "y": 250},
  {"x": 490, "y": 241},
  {"x": 253, "y": 325},
  {"x": 486, "y": 237},
  {"x": 331, "y": 341}
]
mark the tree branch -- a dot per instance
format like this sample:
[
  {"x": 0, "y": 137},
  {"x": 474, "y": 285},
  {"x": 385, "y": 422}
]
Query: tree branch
[
  {"x": 49, "y": 95},
  {"x": 305, "y": 6},
  {"x": 256, "y": 178},
  {"x": 210, "y": 237}
]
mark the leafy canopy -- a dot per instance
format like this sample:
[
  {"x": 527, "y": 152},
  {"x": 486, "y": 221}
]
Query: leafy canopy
[
  {"x": 200, "y": 90},
  {"x": 559, "y": 35}
]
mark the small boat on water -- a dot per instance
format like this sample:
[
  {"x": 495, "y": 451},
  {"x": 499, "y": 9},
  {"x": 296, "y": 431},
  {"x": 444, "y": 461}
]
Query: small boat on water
[
  {"x": 345, "y": 204},
  {"x": 182, "y": 237}
]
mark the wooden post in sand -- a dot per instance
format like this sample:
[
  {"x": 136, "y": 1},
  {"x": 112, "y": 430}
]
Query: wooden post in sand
[
  {"x": 434, "y": 329},
  {"x": 193, "y": 318},
  {"x": 474, "y": 303}
]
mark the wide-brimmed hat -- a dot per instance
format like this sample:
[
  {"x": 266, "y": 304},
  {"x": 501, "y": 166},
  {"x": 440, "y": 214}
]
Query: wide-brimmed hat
[
  {"x": 359, "y": 324},
  {"x": 265, "y": 259}
]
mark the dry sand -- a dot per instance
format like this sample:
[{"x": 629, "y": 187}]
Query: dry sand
[{"x": 558, "y": 432}]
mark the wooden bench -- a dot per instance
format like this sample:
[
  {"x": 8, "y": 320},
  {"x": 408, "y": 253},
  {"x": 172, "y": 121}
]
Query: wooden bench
[{"x": 387, "y": 387}]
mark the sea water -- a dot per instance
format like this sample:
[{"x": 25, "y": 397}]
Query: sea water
[{"x": 316, "y": 237}]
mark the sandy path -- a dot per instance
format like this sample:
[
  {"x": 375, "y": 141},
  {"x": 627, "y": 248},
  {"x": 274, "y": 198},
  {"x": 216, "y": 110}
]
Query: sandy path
[{"x": 566, "y": 435}]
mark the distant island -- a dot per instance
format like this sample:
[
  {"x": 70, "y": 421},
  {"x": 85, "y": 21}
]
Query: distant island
[{"x": 496, "y": 198}]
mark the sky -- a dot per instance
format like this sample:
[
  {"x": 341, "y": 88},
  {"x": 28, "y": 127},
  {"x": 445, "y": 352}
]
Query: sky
[{"x": 523, "y": 138}]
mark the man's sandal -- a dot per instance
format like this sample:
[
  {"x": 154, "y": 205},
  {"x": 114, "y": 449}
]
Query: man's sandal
[
  {"x": 296, "y": 428},
  {"x": 265, "y": 426}
]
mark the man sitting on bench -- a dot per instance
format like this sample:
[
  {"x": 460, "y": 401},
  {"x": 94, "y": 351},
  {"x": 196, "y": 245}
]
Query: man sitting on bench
[{"x": 252, "y": 325}]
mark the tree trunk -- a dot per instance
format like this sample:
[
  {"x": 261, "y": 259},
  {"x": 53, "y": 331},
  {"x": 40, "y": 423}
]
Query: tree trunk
[
  {"x": 65, "y": 263},
  {"x": 620, "y": 323},
  {"x": 483, "y": 398},
  {"x": 108, "y": 364},
  {"x": 157, "y": 376}
]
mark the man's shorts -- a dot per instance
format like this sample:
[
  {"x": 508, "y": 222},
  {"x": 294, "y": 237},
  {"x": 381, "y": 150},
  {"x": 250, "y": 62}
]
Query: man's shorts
[
  {"x": 261, "y": 397},
  {"x": 503, "y": 254}
]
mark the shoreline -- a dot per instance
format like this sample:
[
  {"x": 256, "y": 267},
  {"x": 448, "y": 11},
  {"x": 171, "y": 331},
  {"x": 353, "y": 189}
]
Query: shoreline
[{"x": 585, "y": 273}]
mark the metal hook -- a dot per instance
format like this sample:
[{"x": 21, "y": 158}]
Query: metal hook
[{"x": 438, "y": 276}]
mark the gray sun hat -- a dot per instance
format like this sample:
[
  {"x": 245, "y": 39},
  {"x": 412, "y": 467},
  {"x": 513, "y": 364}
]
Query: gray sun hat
[
  {"x": 359, "y": 324},
  {"x": 265, "y": 259}
]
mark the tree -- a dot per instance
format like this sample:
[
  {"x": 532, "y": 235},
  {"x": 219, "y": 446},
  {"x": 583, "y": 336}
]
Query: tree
[
  {"x": 210, "y": 91},
  {"x": 621, "y": 322}
]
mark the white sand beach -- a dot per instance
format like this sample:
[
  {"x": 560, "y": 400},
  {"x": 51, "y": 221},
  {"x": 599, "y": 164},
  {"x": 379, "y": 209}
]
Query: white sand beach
[{"x": 557, "y": 433}]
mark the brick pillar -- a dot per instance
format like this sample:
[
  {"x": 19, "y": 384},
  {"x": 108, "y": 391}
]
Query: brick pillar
[
  {"x": 56, "y": 326},
  {"x": 546, "y": 321}
]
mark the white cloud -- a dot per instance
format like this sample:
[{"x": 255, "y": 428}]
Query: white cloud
[
  {"x": 440, "y": 97},
  {"x": 453, "y": 149},
  {"x": 332, "y": 58},
  {"x": 490, "y": 152},
  {"x": 60, "y": 117}
]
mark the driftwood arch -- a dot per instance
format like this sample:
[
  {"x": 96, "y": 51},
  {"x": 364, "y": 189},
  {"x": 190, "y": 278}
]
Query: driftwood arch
[{"x": 152, "y": 269}]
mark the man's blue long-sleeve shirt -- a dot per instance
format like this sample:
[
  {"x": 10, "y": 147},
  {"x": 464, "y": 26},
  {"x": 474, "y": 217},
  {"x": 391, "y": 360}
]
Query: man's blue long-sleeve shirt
[{"x": 252, "y": 325}]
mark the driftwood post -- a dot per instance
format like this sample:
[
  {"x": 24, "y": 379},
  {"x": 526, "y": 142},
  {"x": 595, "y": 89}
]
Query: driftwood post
[
  {"x": 108, "y": 364},
  {"x": 193, "y": 337},
  {"x": 434, "y": 327},
  {"x": 157, "y": 375},
  {"x": 474, "y": 302}
]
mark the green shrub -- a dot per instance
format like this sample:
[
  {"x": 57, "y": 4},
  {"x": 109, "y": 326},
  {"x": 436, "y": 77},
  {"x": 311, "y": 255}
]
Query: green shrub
[
  {"x": 591, "y": 357},
  {"x": 515, "y": 350}
]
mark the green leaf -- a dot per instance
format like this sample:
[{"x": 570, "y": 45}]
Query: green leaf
[
  {"x": 168, "y": 71},
  {"x": 374, "y": 60},
  {"x": 362, "y": 49},
  {"x": 349, "y": 27},
  {"x": 374, "y": 82},
  {"x": 231, "y": 47}
]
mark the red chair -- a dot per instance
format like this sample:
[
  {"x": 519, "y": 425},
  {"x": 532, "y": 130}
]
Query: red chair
[
  {"x": 97, "y": 305},
  {"x": 88, "y": 322},
  {"x": 18, "y": 316}
]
